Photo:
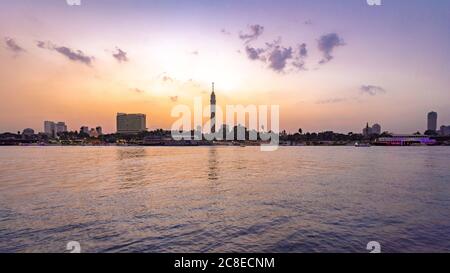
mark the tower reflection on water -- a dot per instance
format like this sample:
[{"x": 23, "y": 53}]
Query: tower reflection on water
[{"x": 213, "y": 172}]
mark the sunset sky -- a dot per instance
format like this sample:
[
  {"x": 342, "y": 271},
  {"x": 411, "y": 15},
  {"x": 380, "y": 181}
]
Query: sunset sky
[{"x": 330, "y": 65}]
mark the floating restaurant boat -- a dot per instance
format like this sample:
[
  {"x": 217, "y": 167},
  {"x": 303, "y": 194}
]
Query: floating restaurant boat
[{"x": 405, "y": 140}]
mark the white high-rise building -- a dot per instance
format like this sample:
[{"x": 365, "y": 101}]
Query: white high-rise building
[
  {"x": 49, "y": 128},
  {"x": 131, "y": 123},
  {"x": 432, "y": 121},
  {"x": 52, "y": 128},
  {"x": 61, "y": 127}
]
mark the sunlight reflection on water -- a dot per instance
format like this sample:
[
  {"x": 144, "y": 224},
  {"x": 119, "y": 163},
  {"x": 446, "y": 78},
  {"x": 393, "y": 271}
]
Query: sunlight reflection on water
[{"x": 222, "y": 199}]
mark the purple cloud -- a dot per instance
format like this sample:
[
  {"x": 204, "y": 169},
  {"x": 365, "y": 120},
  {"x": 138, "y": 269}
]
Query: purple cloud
[
  {"x": 299, "y": 65},
  {"x": 74, "y": 55},
  {"x": 274, "y": 55},
  {"x": 13, "y": 46},
  {"x": 331, "y": 101},
  {"x": 71, "y": 54},
  {"x": 278, "y": 58},
  {"x": 302, "y": 51},
  {"x": 255, "y": 32},
  {"x": 326, "y": 44},
  {"x": 225, "y": 32},
  {"x": 372, "y": 90},
  {"x": 254, "y": 53},
  {"x": 120, "y": 56},
  {"x": 42, "y": 44}
]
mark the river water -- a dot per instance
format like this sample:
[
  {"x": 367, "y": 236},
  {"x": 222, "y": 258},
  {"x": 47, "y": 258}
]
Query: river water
[{"x": 224, "y": 199}]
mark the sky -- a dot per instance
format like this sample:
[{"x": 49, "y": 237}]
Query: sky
[{"x": 328, "y": 64}]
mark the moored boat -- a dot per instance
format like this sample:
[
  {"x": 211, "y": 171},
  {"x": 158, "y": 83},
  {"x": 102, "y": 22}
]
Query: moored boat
[{"x": 357, "y": 144}]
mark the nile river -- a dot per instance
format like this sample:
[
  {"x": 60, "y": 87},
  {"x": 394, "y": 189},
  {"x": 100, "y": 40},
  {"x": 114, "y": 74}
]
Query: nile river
[{"x": 224, "y": 199}]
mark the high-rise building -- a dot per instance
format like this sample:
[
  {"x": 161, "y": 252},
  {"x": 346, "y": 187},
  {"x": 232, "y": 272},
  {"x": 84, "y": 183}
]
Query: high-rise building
[
  {"x": 49, "y": 128},
  {"x": 52, "y": 128},
  {"x": 93, "y": 133},
  {"x": 61, "y": 127},
  {"x": 84, "y": 129},
  {"x": 99, "y": 130},
  {"x": 131, "y": 123},
  {"x": 213, "y": 110},
  {"x": 432, "y": 121}
]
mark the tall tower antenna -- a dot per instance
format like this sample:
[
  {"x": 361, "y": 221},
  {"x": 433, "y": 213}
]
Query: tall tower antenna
[{"x": 213, "y": 110}]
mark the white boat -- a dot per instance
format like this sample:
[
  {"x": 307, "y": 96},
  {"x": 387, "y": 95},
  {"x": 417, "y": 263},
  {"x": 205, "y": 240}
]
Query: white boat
[{"x": 357, "y": 144}]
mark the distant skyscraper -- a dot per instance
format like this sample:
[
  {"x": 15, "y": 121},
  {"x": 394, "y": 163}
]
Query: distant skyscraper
[
  {"x": 131, "y": 123},
  {"x": 84, "y": 129},
  {"x": 99, "y": 130},
  {"x": 432, "y": 121},
  {"x": 61, "y": 127},
  {"x": 49, "y": 128},
  {"x": 53, "y": 129},
  {"x": 213, "y": 110},
  {"x": 93, "y": 133}
]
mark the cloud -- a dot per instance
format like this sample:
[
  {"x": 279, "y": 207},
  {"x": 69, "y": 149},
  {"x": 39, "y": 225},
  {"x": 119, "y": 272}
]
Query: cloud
[
  {"x": 299, "y": 65},
  {"x": 274, "y": 54},
  {"x": 301, "y": 54},
  {"x": 254, "y": 53},
  {"x": 326, "y": 44},
  {"x": 195, "y": 52},
  {"x": 278, "y": 58},
  {"x": 302, "y": 51},
  {"x": 225, "y": 32},
  {"x": 74, "y": 55},
  {"x": 372, "y": 90},
  {"x": 166, "y": 78},
  {"x": 71, "y": 54},
  {"x": 137, "y": 90},
  {"x": 120, "y": 56},
  {"x": 331, "y": 101},
  {"x": 42, "y": 44},
  {"x": 174, "y": 98},
  {"x": 13, "y": 46},
  {"x": 255, "y": 32}
]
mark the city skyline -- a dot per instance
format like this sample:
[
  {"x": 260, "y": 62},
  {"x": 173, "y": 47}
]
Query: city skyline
[
  {"x": 140, "y": 125},
  {"x": 330, "y": 66}
]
